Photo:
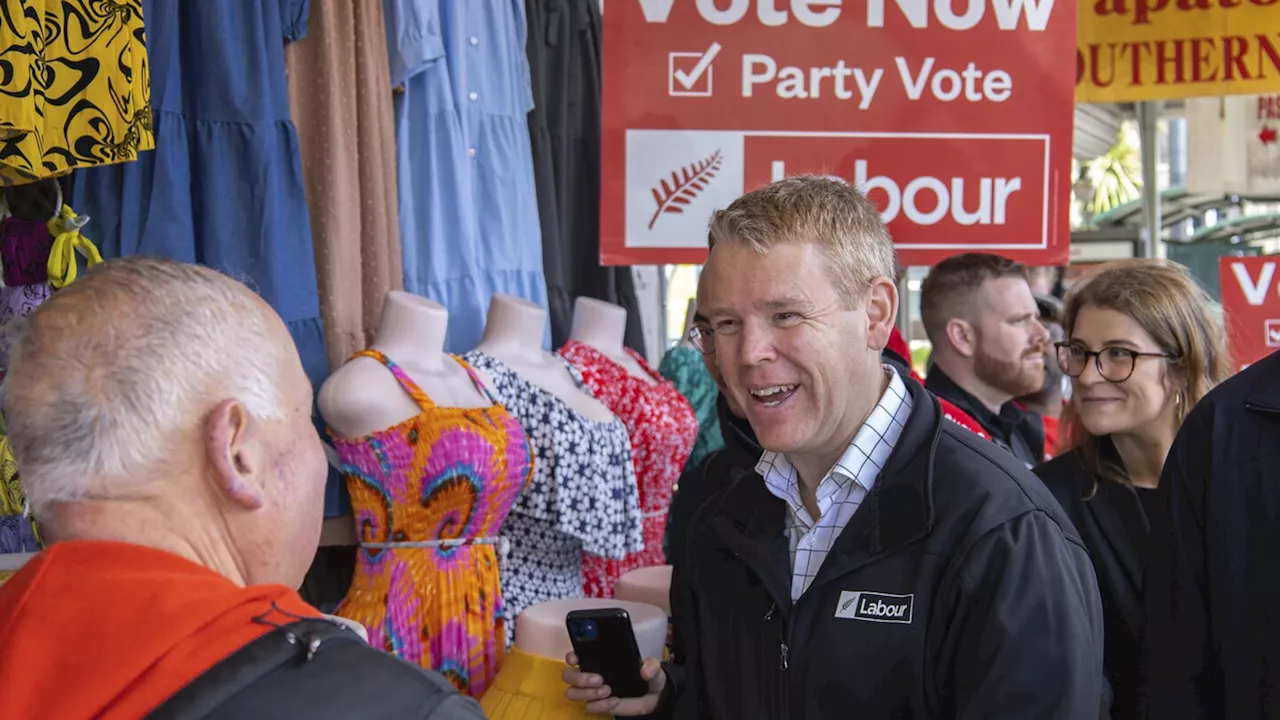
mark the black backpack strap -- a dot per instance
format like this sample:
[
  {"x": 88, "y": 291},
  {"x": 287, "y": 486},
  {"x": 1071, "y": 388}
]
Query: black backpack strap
[{"x": 286, "y": 645}]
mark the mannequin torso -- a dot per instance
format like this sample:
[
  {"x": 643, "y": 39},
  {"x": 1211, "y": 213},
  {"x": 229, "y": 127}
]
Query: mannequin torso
[
  {"x": 513, "y": 335},
  {"x": 540, "y": 630},
  {"x": 603, "y": 326},
  {"x": 362, "y": 397},
  {"x": 651, "y": 585}
]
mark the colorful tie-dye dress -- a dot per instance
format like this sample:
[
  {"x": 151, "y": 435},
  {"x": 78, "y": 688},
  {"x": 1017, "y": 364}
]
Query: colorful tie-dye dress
[{"x": 447, "y": 474}]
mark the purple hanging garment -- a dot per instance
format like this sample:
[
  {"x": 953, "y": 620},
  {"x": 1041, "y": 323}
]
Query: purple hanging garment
[
  {"x": 16, "y": 301},
  {"x": 24, "y": 249}
]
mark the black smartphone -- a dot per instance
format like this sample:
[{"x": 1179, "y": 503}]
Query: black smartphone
[{"x": 605, "y": 644}]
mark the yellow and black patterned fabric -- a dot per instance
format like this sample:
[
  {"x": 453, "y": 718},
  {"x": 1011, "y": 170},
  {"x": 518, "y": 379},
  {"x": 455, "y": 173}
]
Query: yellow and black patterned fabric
[{"x": 75, "y": 90}]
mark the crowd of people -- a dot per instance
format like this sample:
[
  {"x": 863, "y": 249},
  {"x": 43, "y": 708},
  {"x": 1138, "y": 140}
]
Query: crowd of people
[
  {"x": 1072, "y": 518},
  {"x": 1068, "y": 517}
]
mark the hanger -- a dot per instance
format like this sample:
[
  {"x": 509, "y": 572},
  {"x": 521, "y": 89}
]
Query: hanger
[
  {"x": 57, "y": 203},
  {"x": 67, "y": 242}
]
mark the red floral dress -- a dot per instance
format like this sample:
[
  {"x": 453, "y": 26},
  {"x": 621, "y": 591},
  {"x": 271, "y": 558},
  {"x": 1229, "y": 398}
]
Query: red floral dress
[{"x": 662, "y": 426}]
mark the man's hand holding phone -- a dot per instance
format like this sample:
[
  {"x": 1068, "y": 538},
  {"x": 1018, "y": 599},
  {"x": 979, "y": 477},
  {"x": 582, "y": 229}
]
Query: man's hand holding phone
[{"x": 590, "y": 688}]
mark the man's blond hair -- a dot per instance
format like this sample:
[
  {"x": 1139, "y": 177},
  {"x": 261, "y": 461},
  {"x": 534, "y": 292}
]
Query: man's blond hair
[{"x": 833, "y": 215}]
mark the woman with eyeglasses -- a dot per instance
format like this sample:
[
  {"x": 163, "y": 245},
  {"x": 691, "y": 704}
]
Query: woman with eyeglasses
[{"x": 1141, "y": 347}]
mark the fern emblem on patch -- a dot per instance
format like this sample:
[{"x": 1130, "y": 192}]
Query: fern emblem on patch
[{"x": 684, "y": 186}]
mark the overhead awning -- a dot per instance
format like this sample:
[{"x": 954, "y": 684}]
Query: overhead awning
[
  {"x": 1176, "y": 205},
  {"x": 1239, "y": 229},
  {"x": 1097, "y": 129}
]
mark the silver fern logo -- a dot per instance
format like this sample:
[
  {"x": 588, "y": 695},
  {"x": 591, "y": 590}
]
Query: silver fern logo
[{"x": 671, "y": 197}]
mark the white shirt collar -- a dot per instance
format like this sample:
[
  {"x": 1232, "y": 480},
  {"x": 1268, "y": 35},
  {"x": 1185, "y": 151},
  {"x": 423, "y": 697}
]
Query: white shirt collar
[{"x": 782, "y": 479}]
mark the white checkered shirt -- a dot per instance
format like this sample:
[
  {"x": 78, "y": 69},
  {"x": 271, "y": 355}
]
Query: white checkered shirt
[{"x": 841, "y": 492}]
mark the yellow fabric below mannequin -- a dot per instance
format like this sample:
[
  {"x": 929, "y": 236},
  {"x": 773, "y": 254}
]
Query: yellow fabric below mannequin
[{"x": 528, "y": 687}]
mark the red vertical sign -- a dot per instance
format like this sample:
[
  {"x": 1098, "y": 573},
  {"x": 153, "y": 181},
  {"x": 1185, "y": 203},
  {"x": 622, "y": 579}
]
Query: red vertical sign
[
  {"x": 955, "y": 116},
  {"x": 1250, "y": 307}
]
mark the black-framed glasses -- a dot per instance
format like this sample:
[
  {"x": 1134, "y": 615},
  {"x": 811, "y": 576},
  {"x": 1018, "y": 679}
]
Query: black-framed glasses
[
  {"x": 1114, "y": 364},
  {"x": 702, "y": 339}
]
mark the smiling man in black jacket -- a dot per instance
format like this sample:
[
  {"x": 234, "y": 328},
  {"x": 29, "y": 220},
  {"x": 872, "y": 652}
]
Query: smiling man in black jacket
[{"x": 879, "y": 560}]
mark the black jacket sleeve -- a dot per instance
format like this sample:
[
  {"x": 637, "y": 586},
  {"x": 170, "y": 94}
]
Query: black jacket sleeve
[
  {"x": 1182, "y": 676},
  {"x": 680, "y": 699},
  {"x": 1025, "y": 636}
]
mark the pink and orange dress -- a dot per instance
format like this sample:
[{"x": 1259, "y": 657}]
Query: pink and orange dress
[{"x": 429, "y": 496}]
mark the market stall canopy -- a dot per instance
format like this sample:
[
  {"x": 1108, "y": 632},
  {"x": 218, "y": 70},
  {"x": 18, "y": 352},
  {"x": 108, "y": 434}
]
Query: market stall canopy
[
  {"x": 1097, "y": 129},
  {"x": 1239, "y": 229},
  {"x": 1177, "y": 205}
]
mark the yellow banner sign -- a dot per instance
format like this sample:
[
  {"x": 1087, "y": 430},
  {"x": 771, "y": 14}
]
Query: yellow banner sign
[{"x": 1162, "y": 49}]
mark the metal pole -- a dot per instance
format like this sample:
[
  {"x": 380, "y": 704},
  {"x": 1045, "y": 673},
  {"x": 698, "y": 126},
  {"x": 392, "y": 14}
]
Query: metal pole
[
  {"x": 1148, "y": 132},
  {"x": 904, "y": 306},
  {"x": 656, "y": 356}
]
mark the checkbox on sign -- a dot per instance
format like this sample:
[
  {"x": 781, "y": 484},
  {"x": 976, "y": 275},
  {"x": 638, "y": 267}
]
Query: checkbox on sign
[
  {"x": 689, "y": 74},
  {"x": 1273, "y": 333}
]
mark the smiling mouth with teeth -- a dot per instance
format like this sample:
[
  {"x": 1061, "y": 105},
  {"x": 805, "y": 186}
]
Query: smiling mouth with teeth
[{"x": 772, "y": 396}]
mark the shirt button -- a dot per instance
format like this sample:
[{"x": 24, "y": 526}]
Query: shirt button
[
  {"x": 474, "y": 41},
  {"x": 472, "y": 96},
  {"x": 471, "y": 152}
]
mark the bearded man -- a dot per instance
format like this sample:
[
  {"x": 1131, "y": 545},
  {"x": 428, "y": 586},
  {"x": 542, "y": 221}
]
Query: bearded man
[{"x": 988, "y": 346}]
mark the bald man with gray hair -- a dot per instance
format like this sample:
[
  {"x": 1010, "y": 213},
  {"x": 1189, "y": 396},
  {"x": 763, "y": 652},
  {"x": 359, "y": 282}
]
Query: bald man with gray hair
[{"x": 161, "y": 421}]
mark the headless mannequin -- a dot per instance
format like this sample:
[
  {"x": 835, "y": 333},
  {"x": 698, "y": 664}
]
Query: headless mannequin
[
  {"x": 540, "y": 630},
  {"x": 651, "y": 585},
  {"x": 362, "y": 397},
  {"x": 603, "y": 326},
  {"x": 513, "y": 335}
]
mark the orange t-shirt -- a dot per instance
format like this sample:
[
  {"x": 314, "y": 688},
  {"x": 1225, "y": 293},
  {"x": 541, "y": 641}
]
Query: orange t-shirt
[{"x": 95, "y": 629}]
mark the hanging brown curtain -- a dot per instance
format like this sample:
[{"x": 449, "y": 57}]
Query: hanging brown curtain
[{"x": 340, "y": 98}]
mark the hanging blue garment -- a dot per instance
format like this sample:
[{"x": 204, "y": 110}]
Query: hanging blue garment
[
  {"x": 468, "y": 205},
  {"x": 224, "y": 184}
]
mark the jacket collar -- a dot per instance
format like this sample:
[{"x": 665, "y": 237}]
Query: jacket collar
[
  {"x": 1264, "y": 396},
  {"x": 1005, "y": 427},
  {"x": 897, "y": 510},
  {"x": 736, "y": 431}
]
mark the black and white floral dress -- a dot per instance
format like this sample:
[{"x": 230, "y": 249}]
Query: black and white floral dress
[{"x": 583, "y": 496}]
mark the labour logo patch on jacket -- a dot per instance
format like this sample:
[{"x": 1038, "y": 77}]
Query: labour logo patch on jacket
[{"x": 875, "y": 607}]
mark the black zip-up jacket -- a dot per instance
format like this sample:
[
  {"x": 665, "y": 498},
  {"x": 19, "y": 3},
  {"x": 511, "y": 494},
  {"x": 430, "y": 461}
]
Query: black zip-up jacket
[
  {"x": 1212, "y": 590},
  {"x": 1014, "y": 429},
  {"x": 958, "y": 590},
  {"x": 698, "y": 486},
  {"x": 700, "y": 483}
]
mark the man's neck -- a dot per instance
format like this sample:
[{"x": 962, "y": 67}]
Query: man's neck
[
  {"x": 132, "y": 523},
  {"x": 813, "y": 468}
]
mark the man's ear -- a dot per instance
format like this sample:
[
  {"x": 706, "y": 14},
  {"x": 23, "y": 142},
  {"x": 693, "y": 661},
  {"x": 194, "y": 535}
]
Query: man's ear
[
  {"x": 963, "y": 337},
  {"x": 234, "y": 447},
  {"x": 882, "y": 311}
]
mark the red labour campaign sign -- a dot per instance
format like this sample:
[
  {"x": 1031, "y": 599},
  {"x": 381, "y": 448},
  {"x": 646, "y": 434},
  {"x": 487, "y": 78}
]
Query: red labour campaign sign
[
  {"x": 1250, "y": 307},
  {"x": 955, "y": 116}
]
